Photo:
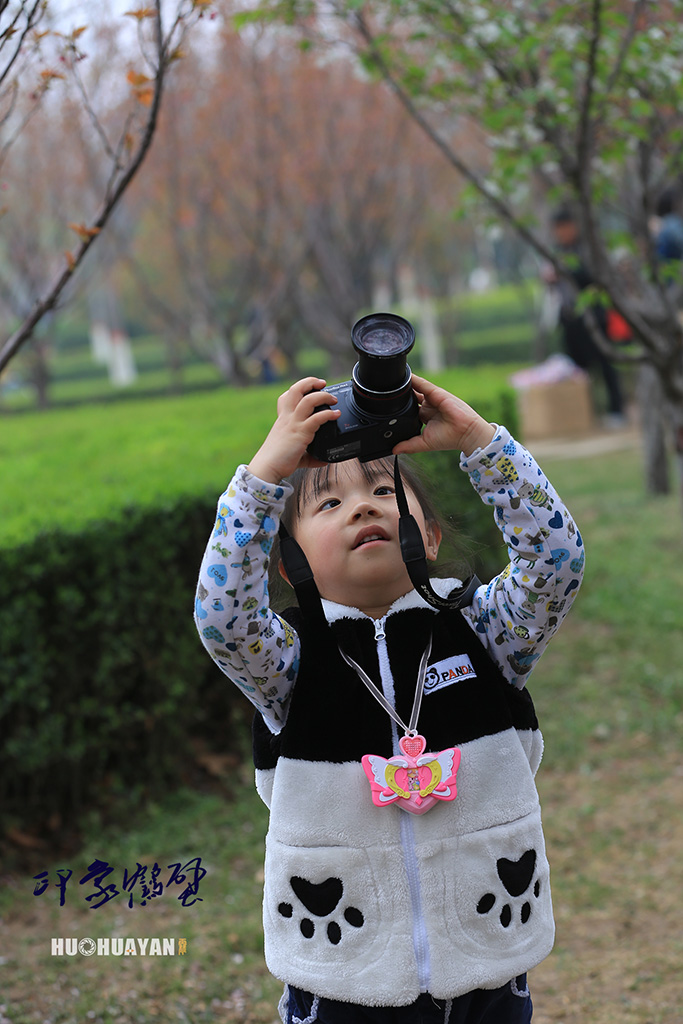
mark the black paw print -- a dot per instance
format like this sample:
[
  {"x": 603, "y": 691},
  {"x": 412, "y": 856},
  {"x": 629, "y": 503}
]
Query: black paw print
[
  {"x": 516, "y": 876},
  {"x": 321, "y": 899}
]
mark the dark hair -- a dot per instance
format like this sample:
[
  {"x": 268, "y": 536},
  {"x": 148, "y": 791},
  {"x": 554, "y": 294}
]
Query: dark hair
[
  {"x": 668, "y": 201},
  {"x": 564, "y": 215},
  {"x": 309, "y": 483}
]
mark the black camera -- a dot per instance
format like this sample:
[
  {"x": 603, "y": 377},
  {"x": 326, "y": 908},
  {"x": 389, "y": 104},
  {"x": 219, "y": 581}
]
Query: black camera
[{"x": 378, "y": 405}]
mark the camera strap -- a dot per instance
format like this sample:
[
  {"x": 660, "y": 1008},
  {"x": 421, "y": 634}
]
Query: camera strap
[
  {"x": 300, "y": 576},
  {"x": 414, "y": 556}
]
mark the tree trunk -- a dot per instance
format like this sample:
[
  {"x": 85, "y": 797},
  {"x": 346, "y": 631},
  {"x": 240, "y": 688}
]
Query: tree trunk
[
  {"x": 676, "y": 414},
  {"x": 652, "y": 423},
  {"x": 38, "y": 370},
  {"x": 173, "y": 343},
  {"x": 547, "y": 318}
]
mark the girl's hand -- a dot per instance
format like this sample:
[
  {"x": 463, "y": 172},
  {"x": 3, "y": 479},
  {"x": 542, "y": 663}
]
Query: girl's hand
[
  {"x": 449, "y": 423},
  {"x": 284, "y": 449}
]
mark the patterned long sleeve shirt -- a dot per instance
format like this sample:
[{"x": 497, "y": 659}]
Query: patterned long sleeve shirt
[{"x": 514, "y": 615}]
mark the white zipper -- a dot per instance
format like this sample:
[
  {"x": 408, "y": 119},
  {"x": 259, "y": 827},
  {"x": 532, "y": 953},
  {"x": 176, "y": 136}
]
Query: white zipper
[{"x": 420, "y": 940}]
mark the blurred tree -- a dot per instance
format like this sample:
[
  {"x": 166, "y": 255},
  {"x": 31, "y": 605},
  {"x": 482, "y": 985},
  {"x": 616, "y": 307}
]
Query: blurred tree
[
  {"x": 41, "y": 74},
  {"x": 217, "y": 248},
  {"x": 368, "y": 186},
  {"x": 279, "y": 195},
  {"x": 25, "y": 236},
  {"x": 576, "y": 102}
]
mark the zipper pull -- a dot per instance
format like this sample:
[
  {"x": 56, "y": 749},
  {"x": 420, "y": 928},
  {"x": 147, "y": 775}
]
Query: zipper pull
[{"x": 379, "y": 628}]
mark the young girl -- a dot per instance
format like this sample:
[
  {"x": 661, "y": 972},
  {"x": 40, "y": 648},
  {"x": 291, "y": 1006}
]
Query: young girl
[{"x": 406, "y": 877}]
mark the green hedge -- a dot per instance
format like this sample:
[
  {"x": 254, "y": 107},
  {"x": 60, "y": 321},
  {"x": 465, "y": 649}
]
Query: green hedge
[
  {"x": 103, "y": 680},
  {"x": 104, "y": 684}
]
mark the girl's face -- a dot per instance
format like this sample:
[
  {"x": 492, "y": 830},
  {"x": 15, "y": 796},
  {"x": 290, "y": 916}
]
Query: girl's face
[{"x": 349, "y": 534}]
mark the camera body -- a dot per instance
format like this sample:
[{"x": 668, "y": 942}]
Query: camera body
[
  {"x": 358, "y": 434},
  {"x": 378, "y": 405}
]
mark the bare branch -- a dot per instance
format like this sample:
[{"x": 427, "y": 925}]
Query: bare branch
[
  {"x": 464, "y": 169},
  {"x": 19, "y": 128},
  {"x": 92, "y": 116},
  {"x": 33, "y": 18},
  {"x": 10, "y": 96},
  {"x": 637, "y": 11},
  {"x": 11, "y": 89},
  {"x": 117, "y": 165},
  {"x": 50, "y": 299},
  {"x": 585, "y": 148},
  {"x": 585, "y": 136}
]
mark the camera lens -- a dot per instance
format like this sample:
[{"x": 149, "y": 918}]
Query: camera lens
[
  {"x": 378, "y": 341},
  {"x": 382, "y": 341}
]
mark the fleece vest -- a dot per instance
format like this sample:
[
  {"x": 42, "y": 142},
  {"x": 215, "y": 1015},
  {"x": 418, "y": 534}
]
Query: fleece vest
[{"x": 374, "y": 905}]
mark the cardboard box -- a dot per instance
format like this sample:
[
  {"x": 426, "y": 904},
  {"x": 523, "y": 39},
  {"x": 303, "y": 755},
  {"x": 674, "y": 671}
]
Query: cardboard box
[{"x": 560, "y": 409}]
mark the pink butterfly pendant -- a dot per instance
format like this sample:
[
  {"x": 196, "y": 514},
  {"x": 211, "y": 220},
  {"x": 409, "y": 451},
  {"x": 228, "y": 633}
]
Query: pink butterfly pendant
[{"x": 415, "y": 781}]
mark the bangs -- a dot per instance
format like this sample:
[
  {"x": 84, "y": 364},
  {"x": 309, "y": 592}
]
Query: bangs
[{"x": 312, "y": 483}]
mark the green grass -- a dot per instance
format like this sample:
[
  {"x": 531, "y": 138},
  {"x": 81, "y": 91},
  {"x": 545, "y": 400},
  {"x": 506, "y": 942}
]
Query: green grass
[
  {"x": 68, "y": 467},
  {"x": 223, "y": 932},
  {"x": 614, "y": 670}
]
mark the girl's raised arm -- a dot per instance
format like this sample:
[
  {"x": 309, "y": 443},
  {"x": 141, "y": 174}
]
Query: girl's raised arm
[
  {"x": 517, "y": 613},
  {"x": 249, "y": 642}
]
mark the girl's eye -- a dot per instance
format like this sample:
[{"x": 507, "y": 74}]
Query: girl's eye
[
  {"x": 384, "y": 489},
  {"x": 329, "y": 503}
]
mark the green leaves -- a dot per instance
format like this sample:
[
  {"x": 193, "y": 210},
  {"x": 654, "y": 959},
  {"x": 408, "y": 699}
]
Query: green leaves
[{"x": 599, "y": 83}]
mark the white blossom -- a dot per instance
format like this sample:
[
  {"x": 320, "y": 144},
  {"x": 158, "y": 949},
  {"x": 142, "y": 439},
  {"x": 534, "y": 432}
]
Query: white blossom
[
  {"x": 492, "y": 187},
  {"x": 519, "y": 194},
  {"x": 479, "y": 14},
  {"x": 669, "y": 68},
  {"x": 568, "y": 36},
  {"x": 529, "y": 133},
  {"x": 489, "y": 33}
]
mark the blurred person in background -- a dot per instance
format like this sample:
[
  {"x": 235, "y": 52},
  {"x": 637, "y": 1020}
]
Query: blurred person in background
[
  {"x": 577, "y": 340},
  {"x": 668, "y": 227}
]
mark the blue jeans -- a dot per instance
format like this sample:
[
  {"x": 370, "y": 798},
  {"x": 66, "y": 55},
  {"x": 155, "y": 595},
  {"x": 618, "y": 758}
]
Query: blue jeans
[{"x": 510, "y": 1004}]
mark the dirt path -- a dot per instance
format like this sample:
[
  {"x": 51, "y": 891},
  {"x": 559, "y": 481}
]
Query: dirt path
[
  {"x": 602, "y": 442},
  {"x": 615, "y": 839}
]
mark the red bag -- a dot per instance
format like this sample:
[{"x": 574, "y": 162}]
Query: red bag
[{"x": 617, "y": 328}]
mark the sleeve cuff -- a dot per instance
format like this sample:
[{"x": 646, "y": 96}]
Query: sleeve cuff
[
  {"x": 260, "y": 493},
  {"x": 482, "y": 457}
]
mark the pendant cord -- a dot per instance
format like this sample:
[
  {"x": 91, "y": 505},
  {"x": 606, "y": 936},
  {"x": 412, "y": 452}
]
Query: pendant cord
[{"x": 411, "y": 729}]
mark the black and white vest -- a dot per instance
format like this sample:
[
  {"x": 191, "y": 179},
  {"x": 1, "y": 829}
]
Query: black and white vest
[{"x": 374, "y": 905}]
